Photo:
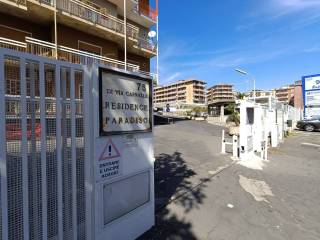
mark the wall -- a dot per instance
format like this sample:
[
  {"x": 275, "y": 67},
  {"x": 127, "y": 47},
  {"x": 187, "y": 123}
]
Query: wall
[
  {"x": 189, "y": 93},
  {"x": 110, "y": 7},
  {"x": 17, "y": 29},
  {"x": 70, "y": 38},
  {"x": 143, "y": 62},
  {"x": 298, "y": 99}
]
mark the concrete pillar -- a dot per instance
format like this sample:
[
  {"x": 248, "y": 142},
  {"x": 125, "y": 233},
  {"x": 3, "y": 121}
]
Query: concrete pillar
[{"x": 222, "y": 113}]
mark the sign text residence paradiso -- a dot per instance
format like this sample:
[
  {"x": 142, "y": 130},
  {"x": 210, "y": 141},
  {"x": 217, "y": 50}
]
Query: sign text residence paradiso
[{"x": 125, "y": 103}]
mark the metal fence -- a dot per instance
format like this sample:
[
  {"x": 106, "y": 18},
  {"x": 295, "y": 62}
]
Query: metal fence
[{"x": 42, "y": 148}]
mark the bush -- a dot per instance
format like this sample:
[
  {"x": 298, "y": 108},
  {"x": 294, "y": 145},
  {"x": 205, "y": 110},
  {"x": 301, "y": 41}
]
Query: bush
[{"x": 234, "y": 117}]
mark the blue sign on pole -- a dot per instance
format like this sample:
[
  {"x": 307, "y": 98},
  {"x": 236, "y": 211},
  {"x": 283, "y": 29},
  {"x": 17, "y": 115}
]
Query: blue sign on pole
[{"x": 311, "y": 95}]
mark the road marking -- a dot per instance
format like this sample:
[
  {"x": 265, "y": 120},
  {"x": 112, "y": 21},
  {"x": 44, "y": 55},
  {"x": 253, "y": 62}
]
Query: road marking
[{"x": 310, "y": 145}]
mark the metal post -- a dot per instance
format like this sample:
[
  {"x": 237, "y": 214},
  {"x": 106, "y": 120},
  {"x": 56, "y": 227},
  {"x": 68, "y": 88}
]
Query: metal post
[
  {"x": 73, "y": 154},
  {"x": 266, "y": 150},
  {"x": 157, "y": 42},
  {"x": 223, "y": 144},
  {"x": 254, "y": 89},
  {"x": 55, "y": 29},
  {"x": 125, "y": 33},
  {"x": 24, "y": 144},
  {"x": 3, "y": 155},
  {"x": 43, "y": 151},
  {"x": 59, "y": 149}
]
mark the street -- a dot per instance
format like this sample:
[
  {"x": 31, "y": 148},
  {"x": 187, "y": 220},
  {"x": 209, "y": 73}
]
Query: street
[{"x": 212, "y": 197}]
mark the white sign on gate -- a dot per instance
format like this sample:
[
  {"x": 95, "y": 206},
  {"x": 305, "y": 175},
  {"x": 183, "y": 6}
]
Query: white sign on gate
[
  {"x": 125, "y": 104},
  {"x": 109, "y": 164}
]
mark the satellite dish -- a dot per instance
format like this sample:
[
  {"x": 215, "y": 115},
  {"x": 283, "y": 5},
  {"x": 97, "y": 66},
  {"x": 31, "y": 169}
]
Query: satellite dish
[{"x": 152, "y": 34}]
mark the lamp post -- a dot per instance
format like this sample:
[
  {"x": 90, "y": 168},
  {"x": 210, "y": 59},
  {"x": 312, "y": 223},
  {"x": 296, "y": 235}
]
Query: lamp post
[{"x": 253, "y": 79}]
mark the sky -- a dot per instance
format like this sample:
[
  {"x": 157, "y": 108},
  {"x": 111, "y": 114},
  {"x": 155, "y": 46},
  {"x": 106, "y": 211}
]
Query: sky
[{"x": 276, "y": 41}]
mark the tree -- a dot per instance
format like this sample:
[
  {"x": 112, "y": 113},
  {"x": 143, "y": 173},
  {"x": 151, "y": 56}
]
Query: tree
[
  {"x": 234, "y": 114},
  {"x": 240, "y": 95}
]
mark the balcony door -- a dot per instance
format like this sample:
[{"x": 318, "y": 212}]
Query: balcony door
[{"x": 88, "y": 47}]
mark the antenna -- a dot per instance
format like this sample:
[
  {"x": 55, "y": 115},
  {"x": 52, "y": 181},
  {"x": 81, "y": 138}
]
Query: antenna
[{"x": 152, "y": 34}]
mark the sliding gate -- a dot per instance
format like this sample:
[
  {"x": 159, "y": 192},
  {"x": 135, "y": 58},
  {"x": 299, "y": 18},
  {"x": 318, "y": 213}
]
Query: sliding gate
[{"x": 43, "y": 150}]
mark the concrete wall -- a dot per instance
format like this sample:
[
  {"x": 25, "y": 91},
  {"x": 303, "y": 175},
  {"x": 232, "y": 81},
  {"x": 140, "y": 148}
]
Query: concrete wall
[
  {"x": 70, "y": 37},
  {"x": 189, "y": 89},
  {"x": 17, "y": 29},
  {"x": 298, "y": 98}
]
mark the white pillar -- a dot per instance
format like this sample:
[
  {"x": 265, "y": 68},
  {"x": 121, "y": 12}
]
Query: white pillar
[
  {"x": 157, "y": 46},
  {"x": 221, "y": 113},
  {"x": 235, "y": 146},
  {"x": 223, "y": 143},
  {"x": 55, "y": 29}
]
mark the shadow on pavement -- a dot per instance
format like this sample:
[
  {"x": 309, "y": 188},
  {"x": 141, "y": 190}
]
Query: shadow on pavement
[{"x": 173, "y": 181}]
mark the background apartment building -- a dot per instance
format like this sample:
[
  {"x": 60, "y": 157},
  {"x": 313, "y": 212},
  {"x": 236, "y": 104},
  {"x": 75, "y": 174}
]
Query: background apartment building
[
  {"x": 219, "y": 95},
  {"x": 259, "y": 93},
  {"x": 185, "y": 93},
  {"x": 284, "y": 94}
]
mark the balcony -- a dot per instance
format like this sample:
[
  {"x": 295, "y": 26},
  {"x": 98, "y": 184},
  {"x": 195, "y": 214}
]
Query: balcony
[
  {"x": 16, "y": 3},
  {"x": 89, "y": 17},
  {"x": 137, "y": 12},
  {"x": 147, "y": 11},
  {"x": 47, "y": 49}
]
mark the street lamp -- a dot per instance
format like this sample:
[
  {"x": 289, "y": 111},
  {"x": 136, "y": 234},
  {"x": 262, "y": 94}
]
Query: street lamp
[{"x": 253, "y": 78}]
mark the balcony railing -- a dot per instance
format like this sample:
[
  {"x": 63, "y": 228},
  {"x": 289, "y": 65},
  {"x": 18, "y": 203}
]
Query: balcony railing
[
  {"x": 47, "y": 49},
  {"x": 12, "y": 44},
  {"x": 98, "y": 15},
  {"x": 147, "y": 44},
  {"x": 19, "y": 2}
]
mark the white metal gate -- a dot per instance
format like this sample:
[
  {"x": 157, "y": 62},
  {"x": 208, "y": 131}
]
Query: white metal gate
[{"x": 43, "y": 152}]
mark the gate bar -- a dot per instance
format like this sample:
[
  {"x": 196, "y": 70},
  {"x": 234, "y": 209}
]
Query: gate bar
[
  {"x": 24, "y": 146},
  {"x": 73, "y": 155},
  {"x": 58, "y": 149},
  {"x": 3, "y": 160},
  {"x": 88, "y": 146},
  {"x": 43, "y": 151}
]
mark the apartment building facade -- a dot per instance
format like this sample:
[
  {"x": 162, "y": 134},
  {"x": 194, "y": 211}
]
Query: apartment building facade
[
  {"x": 284, "y": 94},
  {"x": 81, "y": 31},
  {"x": 219, "y": 95},
  {"x": 189, "y": 92}
]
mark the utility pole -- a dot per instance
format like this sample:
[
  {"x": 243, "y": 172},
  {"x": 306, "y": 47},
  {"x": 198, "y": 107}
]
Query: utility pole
[{"x": 125, "y": 33}]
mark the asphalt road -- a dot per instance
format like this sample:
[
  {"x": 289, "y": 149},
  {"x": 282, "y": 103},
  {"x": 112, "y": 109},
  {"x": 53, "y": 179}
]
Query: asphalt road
[{"x": 203, "y": 195}]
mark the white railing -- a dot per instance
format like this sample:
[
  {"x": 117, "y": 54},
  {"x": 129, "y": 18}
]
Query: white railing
[
  {"x": 94, "y": 13},
  {"x": 19, "y": 2},
  {"x": 96, "y": 16},
  {"x": 147, "y": 44},
  {"x": 12, "y": 44},
  {"x": 47, "y": 49}
]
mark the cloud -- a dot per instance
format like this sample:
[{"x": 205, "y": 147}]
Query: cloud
[
  {"x": 171, "y": 78},
  {"x": 298, "y": 4}
]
